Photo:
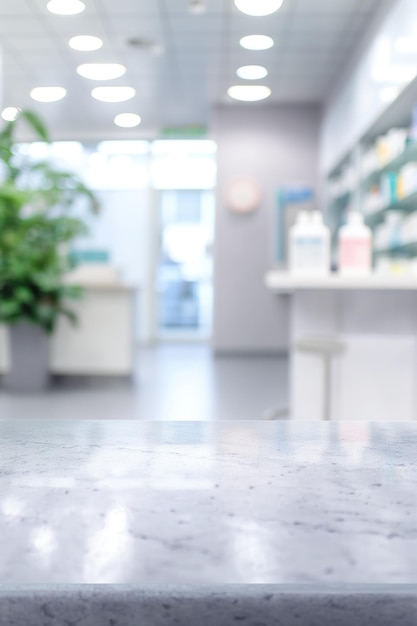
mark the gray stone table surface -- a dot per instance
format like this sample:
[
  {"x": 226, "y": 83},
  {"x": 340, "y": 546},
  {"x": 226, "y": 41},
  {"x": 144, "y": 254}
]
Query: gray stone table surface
[{"x": 207, "y": 502}]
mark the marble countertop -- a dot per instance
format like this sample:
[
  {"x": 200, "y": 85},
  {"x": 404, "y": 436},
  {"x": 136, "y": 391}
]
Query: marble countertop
[{"x": 207, "y": 503}]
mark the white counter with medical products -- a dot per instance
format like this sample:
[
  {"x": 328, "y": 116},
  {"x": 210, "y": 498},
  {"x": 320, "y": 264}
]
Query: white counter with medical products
[
  {"x": 352, "y": 280},
  {"x": 353, "y": 337}
]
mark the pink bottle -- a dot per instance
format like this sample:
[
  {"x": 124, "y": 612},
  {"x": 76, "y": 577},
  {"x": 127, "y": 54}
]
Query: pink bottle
[{"x": 355, "y": 247}]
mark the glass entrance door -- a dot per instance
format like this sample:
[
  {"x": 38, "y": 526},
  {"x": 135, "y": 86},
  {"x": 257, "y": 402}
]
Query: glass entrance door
[{"x": 185, "y": 264}]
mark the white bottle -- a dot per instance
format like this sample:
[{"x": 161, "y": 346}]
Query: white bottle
[
  {"x": 309, "y": 245},
  {"x": 355, "y": 247}
]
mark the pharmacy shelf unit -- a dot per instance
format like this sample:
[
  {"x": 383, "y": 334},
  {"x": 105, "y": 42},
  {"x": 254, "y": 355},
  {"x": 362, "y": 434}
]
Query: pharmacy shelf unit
[
  {"x": 405, "y": 250},
  {"x": 405, "y": 205},
  {"x": 408, "y": 155},
  {"x": 348, "y": 176}
]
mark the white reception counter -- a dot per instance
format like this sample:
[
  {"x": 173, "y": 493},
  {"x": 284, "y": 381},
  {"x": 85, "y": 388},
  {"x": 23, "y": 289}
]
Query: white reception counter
[
  {"x": 102, "y": 342},
  {"x": 353, "y": 346}
]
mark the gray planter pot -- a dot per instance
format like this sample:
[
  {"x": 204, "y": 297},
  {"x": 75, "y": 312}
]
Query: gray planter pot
[{"x": 29, "y": 359}]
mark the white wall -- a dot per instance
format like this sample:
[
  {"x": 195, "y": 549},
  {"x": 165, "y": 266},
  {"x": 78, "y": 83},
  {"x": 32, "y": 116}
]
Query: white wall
[
  {"x": 358, "y": 98},
  {"x": 278, "y": 146},
  {"x": 123, "y": 228}
]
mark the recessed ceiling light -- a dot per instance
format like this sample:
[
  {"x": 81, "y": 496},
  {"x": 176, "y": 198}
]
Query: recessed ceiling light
[
  {"x": 10, "y": 114},
  {"x": 85, "y": 43},
  {"x": 256, "y": 42},
  {"x": 259, "y": 7},
  {"x": 249, "y": 93},
  {"x": 252, "y": 72},
  {"x": 113, "y": 94},
  {"x": 127, "y": 120},
  {"x": 65, "y": 7},
  {"x": 48, "y": 94},
  {"x": 101, "y": 71}
]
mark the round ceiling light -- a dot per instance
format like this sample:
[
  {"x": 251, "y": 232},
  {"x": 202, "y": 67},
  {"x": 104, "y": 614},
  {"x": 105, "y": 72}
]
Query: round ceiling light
[
  {"x": 127, "y": 120},
  {"x": 249, "y": 93},
  {"x": 252, "y": 72},
  {"x": 101, "y": 71},
  {"x": 85, "y": 43},
  {"x": 48, "y": 94},
  {"x": 10, "y": 114},
  {"x": 259, "y": 7},
  {"x": 65, "y": 7},
  {"x": 257, "y": 42},
  {"x": 113, "y": 94}
]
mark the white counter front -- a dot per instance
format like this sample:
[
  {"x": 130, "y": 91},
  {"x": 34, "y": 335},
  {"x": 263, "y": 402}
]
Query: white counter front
[
  {"x": 102, "y": 342},
  {"x": 353, "y": 346}
]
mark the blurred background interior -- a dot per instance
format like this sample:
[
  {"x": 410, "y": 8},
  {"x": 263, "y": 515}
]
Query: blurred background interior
[{"x": 254, "y": 255}]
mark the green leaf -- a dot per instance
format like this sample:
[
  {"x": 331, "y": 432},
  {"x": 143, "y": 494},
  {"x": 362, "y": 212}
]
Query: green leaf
[
  {"x": 12, "y": 197},
  {"x": 23, "y": 294},
  {"x": 70, "y": 315},
  {"x": 71, "y": 291},
  {"x": 45, "y": 315},
  {"x": 36, "y": 124},
  {"x": 8, "y": 308},
  {"x": 6, "y": 135}
]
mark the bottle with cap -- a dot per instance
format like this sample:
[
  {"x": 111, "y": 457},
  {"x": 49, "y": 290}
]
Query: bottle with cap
[
  {"x": 355, "y": 247},
  {"x": 309, "y": 245}
]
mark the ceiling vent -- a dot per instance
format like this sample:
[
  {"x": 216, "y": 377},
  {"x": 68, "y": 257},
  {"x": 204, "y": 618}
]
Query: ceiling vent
[
  {"x": 197, "y": 6},
  {"x": 146, "y": 45}
]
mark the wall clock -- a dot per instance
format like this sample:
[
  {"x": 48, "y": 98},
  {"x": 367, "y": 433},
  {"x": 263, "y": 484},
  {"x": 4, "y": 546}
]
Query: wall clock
[{"x": 243, "y": 195}]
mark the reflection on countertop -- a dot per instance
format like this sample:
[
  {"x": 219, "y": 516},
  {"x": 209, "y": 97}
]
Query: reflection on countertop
[{"x": 197, "y": 502}]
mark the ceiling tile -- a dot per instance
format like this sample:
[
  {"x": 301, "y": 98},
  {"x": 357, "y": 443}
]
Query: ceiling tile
[
  {"x": 11, "y": 26},
  {"x": 19, "y": 8},
  {"x": 326, "y": 6},
  {"x": 133, "y": 7}
]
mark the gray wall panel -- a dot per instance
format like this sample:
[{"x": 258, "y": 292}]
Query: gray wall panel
[{"x": 277, "y": 145}]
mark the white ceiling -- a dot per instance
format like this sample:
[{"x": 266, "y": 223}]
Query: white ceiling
[{"x": 313, "y": 41}]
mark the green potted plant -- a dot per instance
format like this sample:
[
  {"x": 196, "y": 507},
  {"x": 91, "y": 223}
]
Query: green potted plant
[{"x": 36, "y": 228}]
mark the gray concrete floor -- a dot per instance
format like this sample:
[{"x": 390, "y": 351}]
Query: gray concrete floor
[{"x": 173, "y": 382}]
